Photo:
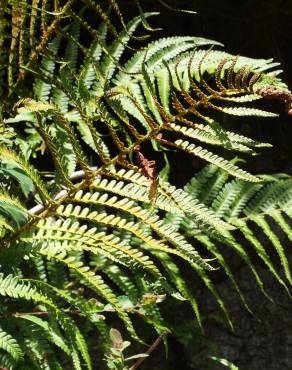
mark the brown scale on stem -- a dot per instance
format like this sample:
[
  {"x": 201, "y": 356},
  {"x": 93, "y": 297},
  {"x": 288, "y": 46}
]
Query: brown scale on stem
[{"x": 148, "y": 168}]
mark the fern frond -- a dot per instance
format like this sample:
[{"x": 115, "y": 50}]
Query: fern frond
[
  {"x": 249, "y": 235},
  {"x": 244, "y": 205},
  {"x": 10, "y": 345},
  {"x": 94, "y": 281},
  {"x": 228, "y": 140},
  {"x": 52, "y": 334},
  {"x": 60, "y": 99},
  {"x": 279, "y": 218},
  {"x": 79, "y": 239},
  {"x": 205, "y": 135},
  {"x": 196, "y": 187},
  {"x": 158, "y": 91},
  {"x": 16, "y": 288},
  {"x": 248, "y": 112},
  {"x": 164, "y": 49},
  {"x": 263, "y": 224},
  {"x": 221, "y": 260},
  {"x": 274, "y": 194},
  {"x": 168, "y": 199},
  {"x": 117, "y": 48},
  {"x": 175, "y": 275},
  {"x": 193, "y": 208},
  {"x": 226, "y": 198},
  {"x": 164, "y": 231},
  {"x": 87, "y": 70},
  {"x": 78, "y": 343},
  {"x": 42, "y": 89},
  {"x": 216, "y": 160}
]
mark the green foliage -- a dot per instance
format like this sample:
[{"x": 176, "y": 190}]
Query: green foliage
[
  {"x": 105, "y": 235},
  {"x": 244, "y": 205}
]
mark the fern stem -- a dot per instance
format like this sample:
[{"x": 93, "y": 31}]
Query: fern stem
[
  {"x": 71, "y": 312},
  {"x": 148, "y": 352},
  {"x": 77, "y": 175}
]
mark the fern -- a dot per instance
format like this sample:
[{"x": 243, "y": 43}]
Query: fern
[
  {"x": 245, "y": 205},
  {"x": 106, "y": 234}
]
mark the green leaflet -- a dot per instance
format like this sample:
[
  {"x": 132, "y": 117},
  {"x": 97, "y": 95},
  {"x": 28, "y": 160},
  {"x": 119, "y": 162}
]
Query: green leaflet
[
  {"x": 10, "y": 345},
  {"x": 31, "y": 172},
  {"x": 19, "y": 175},
  {"x": 12, "y": 210}
]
